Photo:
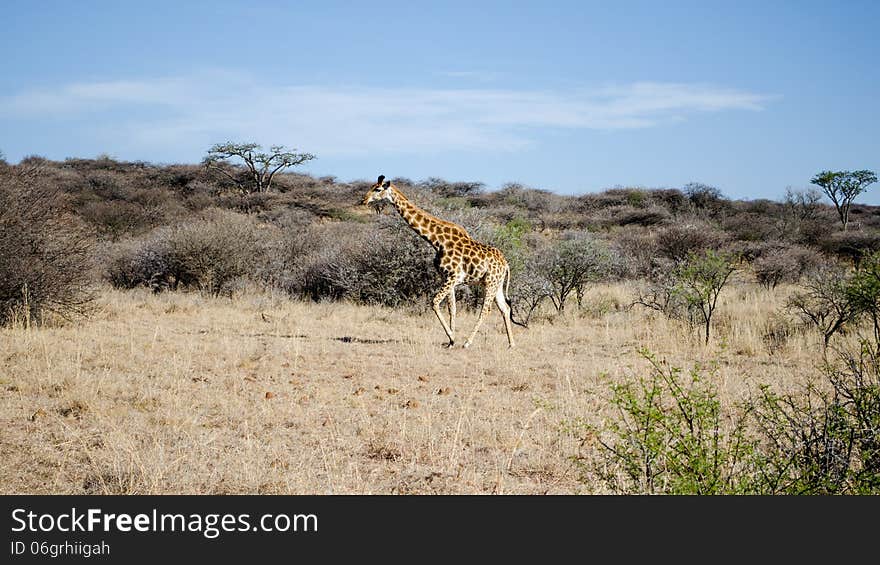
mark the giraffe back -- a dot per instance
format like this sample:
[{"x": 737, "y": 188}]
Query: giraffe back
[{"x": 472, "y": 261}]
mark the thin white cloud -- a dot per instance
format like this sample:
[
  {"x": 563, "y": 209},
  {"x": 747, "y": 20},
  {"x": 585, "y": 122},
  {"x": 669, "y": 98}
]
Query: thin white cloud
[
  {"x": 475, "y": 76},
  {"x": 329, "y": 120}
]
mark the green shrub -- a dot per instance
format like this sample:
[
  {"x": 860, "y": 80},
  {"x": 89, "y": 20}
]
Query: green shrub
[
  {"x": 863, "y": 291},
  {"x": 671, "y": 437},
  {"x": 510, "y": 239},
  {"x": 826, "y": 438},
  {"x": 689, "y": 290},
  {"x": 700, "y": 281}
]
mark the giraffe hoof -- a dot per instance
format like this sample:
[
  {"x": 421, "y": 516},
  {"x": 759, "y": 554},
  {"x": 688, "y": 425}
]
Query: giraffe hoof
[
  {"x": 450, "y": 345},
  {"x": 467, "y": 344}
]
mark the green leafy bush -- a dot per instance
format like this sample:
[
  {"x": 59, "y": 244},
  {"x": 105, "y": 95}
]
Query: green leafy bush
[
  {"x": 671, "y": 437},
  {"x": 689, "y": 290},
  {"x": 826, "y": 438}
]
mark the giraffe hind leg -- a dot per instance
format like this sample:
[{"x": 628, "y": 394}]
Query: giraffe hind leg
[
  {"x": 501, "y": 301},
  {"x": 487, "y": 303}
]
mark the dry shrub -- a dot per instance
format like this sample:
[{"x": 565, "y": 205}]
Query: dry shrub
[
  {"x": 528, "y": 289},
  {"x": 779, "y": 328},
  {"x": 288, "y": 250},
  {"x": 638, "y": 252},
  {"x": 142, "y": 262},
  {"x": 784, "y": 263},
  {"x": 672, "y": 199},
  {"x": 532, "y": 199},
  {"x": 750, "y": 251},
  {"x": 568, "y": 264},
  {"x": 216, "y": 251},
  {"x": 631, "y": 215},
  {"x": 252, "y": 202},
  {"x": 210, "y": 254},
  {"x": 385, "y": 264},
  {"x": 852, "y": 245},
  {"x": 676, "y": 242},
  {"x": 118, "y": 198},
  {"x": 44, "y": 251},
  {"x": 823, "y": 303},
  {"x": 452, "y": 189},
  {"x": 382, "y": 263},
  {"x": 294, "y": 259},
  {"x": 478, "y": 222},
  {"x": 608, "y": 199},
  {"x": 751, "y": 226},
  {"x": 114, "y": 218},
  {"x": 707, "y": 199}
]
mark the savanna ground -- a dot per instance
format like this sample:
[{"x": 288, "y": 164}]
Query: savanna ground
[{"x": 183, "y": 393}]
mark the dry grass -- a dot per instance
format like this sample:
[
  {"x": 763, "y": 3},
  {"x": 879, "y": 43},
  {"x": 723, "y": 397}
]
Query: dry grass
[{"x": 179, "y": 393}]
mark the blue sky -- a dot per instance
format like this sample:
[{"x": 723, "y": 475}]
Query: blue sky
[{"x": 573, "y": 97}]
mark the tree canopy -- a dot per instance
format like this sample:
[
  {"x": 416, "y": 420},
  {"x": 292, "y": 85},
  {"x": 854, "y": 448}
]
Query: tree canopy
[
  {"x": 260, "y": 166},
  {"x": 842, "y": 187}
]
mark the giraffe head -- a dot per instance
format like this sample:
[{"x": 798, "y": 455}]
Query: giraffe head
[{"x": 379, "y": 191}]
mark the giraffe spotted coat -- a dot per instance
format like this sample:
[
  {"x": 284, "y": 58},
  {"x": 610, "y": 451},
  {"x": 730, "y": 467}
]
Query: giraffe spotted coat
[{"x": 460, "y": 259}]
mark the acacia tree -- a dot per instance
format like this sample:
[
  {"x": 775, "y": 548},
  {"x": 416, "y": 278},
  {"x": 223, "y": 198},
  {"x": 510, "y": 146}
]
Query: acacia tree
[
  {"x": 700, "y": 280},
  {"x": 842, "y": 187},
  {"x": 260, "y": 166}
]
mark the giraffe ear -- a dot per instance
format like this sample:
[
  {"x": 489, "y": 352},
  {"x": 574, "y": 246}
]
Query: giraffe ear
[
  {"x": 381, "y": 178},
  {"x": 387, "y": 184}
]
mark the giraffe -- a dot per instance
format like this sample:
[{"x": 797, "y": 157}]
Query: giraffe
[{"x": 460, "y": 259}]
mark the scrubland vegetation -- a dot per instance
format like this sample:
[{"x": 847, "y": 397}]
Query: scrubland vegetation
[{"x": 166, "y": 331}]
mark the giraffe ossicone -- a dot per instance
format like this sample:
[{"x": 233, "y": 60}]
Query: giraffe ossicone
[{"x": 460, "y": 259}]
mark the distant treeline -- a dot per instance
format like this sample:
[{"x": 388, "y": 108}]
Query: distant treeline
[{"x": 76, "y": 222}]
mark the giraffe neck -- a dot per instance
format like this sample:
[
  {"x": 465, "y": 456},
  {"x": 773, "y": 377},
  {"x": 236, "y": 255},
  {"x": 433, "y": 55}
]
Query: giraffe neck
[{"x": 419, "y": 220}]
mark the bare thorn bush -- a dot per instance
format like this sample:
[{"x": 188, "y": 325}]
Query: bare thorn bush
[{"x": 45, "y": 261}]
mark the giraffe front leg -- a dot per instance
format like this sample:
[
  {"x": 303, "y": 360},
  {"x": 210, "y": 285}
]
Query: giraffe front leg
[
  {"x": 487, "y": 303},
  {"x": 450, "y": 303},
  {"x": 447, "y": 288}
]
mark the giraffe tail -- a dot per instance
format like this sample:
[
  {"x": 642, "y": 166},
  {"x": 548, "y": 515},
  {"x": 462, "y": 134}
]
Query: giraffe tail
[{"x": 507, "y": 299}]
